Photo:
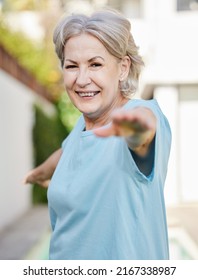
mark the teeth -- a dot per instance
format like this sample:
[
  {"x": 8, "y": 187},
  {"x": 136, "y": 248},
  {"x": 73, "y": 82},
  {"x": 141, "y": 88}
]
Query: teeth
[{"x": 84, "y": 94}]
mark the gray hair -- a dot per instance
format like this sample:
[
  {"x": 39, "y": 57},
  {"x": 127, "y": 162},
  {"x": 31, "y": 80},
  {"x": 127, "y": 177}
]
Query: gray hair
[{"x": 114, "y": 32}]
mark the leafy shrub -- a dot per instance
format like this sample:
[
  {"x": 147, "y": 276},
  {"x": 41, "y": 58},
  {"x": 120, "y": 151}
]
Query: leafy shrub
[{"x": 48, "y": 134}]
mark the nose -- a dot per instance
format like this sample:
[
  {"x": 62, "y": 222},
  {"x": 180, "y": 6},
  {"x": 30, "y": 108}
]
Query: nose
[{"x": 83, "y": 78}]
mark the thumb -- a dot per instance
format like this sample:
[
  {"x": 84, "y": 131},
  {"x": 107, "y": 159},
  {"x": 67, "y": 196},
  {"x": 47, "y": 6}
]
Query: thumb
[{"x": 105, "y": 131}]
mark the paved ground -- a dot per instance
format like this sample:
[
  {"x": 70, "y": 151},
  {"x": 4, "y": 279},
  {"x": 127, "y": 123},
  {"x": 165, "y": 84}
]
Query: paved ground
[
  {"x": 186, "y": 217},
  {"x": 17, "y": 240}
]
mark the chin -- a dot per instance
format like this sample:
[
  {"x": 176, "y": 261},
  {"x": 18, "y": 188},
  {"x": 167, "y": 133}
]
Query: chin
[
  {"x": 88, "y": 111},
  {"x": 91, "y": 114}
]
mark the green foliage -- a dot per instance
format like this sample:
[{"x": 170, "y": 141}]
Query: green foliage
[
  {"x": 40, "y": 61},
  {"x": 48, "y": 134},
  {"x": 68, "y": 113},
  {"x": 48, "y": 131},
  {"x": 21, "y": 5}
]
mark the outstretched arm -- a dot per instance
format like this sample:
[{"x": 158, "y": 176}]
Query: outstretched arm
[
  {"x": 42, "y": 174},
  {"x": 137, "y": 125}
]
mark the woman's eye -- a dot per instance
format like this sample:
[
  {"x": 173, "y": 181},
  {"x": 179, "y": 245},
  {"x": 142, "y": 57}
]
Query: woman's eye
[
  {"x": 94, "y": 65},
  {"x": 70, "y": 66}
]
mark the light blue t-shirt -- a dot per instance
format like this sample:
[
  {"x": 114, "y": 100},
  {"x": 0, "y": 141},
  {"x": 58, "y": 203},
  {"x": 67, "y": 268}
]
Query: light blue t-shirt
[{"x": 101, "y": 206}]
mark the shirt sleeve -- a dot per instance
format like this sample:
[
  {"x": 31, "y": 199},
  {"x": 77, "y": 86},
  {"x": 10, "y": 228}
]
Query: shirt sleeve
[
  {"x": 163, "y": 137},
  {"x": 163, "y": 140}
]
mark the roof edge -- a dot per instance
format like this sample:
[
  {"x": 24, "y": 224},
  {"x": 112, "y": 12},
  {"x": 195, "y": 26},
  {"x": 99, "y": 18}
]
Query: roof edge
[{"x": 10, "y": 64}]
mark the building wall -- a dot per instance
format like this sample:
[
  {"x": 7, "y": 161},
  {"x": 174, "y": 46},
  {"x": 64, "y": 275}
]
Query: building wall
[
  {"x": 167, "y": 40},
  {"x": 16, "y": 120},
  {"x": 188, "y": 136},
  {"x": 180, "y": 105}
]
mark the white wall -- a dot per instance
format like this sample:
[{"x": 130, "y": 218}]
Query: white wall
[
  {"x": 188, "y": 144},
  {"x": 180, "y": 105},
  {"x": 169, "y": 45},
  {"x": 15, "y": 148}
]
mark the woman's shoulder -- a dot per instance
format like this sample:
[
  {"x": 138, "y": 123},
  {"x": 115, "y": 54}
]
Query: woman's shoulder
[
  {"x": 75, "y": 131},
  {"x": 141, "y": 102},
  {"x": 151, "y": 104}
]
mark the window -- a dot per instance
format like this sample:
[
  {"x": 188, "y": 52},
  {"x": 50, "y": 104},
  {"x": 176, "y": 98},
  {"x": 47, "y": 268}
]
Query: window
[{"x": 187, "y": 5}]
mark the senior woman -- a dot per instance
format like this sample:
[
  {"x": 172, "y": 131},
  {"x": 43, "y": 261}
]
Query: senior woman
[{"x": 106, "y": 196}]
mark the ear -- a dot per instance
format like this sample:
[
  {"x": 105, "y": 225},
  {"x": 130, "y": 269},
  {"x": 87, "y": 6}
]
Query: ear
[{"x": 124, "y": 67}]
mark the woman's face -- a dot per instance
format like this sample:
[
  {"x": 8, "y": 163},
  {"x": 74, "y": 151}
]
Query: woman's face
[{"x": 91, "y": 77}]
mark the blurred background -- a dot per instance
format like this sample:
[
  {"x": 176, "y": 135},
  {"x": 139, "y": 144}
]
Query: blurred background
[{"x": 36, "y": 115}]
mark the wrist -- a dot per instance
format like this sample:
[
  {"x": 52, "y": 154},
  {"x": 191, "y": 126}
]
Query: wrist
[{"x": 137, "y": 140}]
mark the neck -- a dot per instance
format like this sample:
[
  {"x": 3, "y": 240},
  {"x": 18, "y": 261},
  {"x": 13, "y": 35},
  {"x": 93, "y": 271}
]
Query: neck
[{"x": 96, "y": 123}]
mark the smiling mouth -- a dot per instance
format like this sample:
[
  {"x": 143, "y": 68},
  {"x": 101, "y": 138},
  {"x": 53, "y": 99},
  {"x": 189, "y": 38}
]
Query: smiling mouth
[{"x": 87, "y": 94}]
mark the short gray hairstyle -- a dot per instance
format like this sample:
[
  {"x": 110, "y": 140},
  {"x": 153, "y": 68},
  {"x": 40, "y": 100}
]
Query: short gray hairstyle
[{"x": 114, "y": 32}]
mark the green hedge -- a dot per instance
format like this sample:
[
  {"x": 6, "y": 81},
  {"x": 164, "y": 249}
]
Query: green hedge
[
  {"x": 41, "y": 61},
  {"x": 48, "y": 134}
]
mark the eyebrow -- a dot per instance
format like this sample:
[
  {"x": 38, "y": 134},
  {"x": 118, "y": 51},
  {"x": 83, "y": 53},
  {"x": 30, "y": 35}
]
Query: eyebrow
[
  {"x": 90, "y": 60},
  {"x": 95, "y": 57}
]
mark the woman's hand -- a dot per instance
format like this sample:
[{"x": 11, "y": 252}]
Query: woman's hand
[
  {"x": 42, "y": 174},
  {"x": 37, "y": 176},
  {"x": 138, "y": 126}
]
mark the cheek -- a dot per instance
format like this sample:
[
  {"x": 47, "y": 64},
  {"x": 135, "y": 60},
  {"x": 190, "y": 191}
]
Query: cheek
[
  {"x": 113, "y": 82},
  {"x": 113, "y": 76},
  {"x": 108, "y": 79},
  {"x": 68, "y": 80},
  {"x": 65, "y": 80}
]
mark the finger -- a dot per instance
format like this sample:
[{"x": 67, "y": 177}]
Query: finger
[
  {"x": 26, "y": 180},
  {"x": 134, "y": 126},
  {"x": 136, "y": 119}
]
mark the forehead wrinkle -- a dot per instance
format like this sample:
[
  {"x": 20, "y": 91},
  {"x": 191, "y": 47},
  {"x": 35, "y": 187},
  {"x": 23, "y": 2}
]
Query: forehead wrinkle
[{"x": 82, "y": 42}]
